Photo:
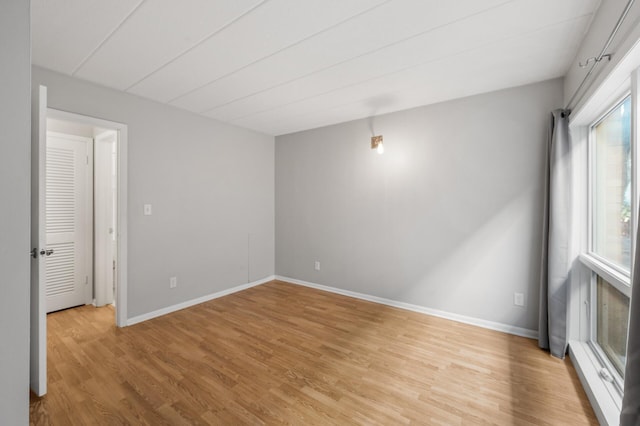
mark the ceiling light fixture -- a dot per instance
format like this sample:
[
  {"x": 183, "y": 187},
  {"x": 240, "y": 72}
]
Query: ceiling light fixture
[{"x": 376, "y": 143}]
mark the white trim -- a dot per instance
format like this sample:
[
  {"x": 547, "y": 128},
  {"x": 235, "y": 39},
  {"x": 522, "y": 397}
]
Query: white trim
[
  {"x": 635, "y": 114},
  {"x": 617, "y": 383},
  {"x": 618, "y": 280},
  {"x": 611, "y": 83},
  {"x": 105, "y": 144},
  {"x": 578, "y": 300},
  {"x": 197, "y": 301},
  {"x": 122, "y": 248},
  {"x": 505, "y": 328},
  {"x": 605, "y": 401},
  {"x": 121, "y": 262}
]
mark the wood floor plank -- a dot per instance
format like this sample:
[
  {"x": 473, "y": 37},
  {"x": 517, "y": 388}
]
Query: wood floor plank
[{"x": 285, "y": 354}]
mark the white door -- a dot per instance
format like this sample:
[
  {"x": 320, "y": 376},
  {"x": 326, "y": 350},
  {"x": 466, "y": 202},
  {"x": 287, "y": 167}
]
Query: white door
[
  {"x": 38, "y": 334},
  {"x": 68, "y": 221}
]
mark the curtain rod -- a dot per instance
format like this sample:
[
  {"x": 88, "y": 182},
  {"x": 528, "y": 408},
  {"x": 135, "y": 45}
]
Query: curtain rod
[{"x": 602, "y": 54}]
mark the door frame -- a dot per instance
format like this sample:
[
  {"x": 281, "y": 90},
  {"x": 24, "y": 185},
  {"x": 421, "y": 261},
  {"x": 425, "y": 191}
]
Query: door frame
[
  {"x": 104, "y": 251},
  {"x": 121, "y": 255}
]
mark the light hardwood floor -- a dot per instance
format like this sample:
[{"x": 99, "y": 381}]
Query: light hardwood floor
[{"x": 280, "y": 353}]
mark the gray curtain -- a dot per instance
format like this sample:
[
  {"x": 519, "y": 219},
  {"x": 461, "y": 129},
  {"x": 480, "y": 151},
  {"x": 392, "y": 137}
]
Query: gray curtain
[
  {"x": 630, "y": 414},
  {"x": 556, "y": 263}
]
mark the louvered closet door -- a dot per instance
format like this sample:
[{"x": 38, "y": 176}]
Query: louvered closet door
[{"x": 67, "y": 220}]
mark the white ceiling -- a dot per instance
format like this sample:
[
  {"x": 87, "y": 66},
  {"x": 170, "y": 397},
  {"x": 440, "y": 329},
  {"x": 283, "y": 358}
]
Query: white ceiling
[{"x": 280, "y": 66}]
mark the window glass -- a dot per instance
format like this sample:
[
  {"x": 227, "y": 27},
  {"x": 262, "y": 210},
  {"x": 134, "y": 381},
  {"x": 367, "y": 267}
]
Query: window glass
[
  {"x": 612, "y": 323},
  {"x": 612, "y": 186}
]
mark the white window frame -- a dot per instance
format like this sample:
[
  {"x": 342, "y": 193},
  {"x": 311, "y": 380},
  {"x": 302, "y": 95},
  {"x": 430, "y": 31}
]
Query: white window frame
[
  {"x": 599, "y": 377},
  {"x": 614, "y": 274},
  {"x": 619, "y": 274}
]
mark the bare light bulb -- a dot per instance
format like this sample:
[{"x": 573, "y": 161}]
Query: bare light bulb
[{"x": 376, "y": 143}]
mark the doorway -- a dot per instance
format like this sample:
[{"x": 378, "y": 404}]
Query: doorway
[
  {"x": 99, "y": 263},
  {"x": 39, "y": 252}
]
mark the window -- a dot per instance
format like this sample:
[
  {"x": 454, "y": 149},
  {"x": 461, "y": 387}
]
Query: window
[
  {"x": 613, "y": 323},
  {"x": 606, "y": 176},
  {"x": 609, "y": 253},
  {"x": 611, "y": 206}
]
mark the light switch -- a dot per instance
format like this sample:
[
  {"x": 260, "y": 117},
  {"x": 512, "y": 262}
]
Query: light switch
[{"x": 147, "y": 209}]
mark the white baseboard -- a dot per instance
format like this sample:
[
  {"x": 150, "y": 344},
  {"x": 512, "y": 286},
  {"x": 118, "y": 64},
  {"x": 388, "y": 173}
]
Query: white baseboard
[
  {"x": 505, "y": 328},
  {"x": 197, "y": 301}
]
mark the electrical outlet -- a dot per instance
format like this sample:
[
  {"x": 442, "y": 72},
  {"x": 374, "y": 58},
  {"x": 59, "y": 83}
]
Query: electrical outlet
[
  {"x": 317, "y": 266},
  {"x": 173, "y": 282},
  {"x": 147, "y": 209},
  {"x": 518, "y": 299}
]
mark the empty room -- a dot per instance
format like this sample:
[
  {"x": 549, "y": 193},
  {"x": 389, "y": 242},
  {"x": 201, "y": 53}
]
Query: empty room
[{"x": 325, "y": 212}]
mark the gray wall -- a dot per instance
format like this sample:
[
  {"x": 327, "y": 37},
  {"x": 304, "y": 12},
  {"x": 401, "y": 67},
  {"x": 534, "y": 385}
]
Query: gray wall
[
  {"x": 15, "y": 116},
  {"x": 211, "y": 186},
  {"x": 448, "y": 218}
]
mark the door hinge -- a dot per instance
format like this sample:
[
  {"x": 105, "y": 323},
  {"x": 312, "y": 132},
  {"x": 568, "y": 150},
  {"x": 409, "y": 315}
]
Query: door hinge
[{"x": 86, "y": 280}]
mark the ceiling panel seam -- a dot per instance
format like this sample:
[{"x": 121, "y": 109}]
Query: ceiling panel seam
[
  {"x": 279, "y": 66},
  {"x": 310, "y": 36},
  {"x": 484, "y": 46},
  {"x": 378, "y": 49},
  {"x": 198, "y": 43},
  {"x": 93, "y": 52}
]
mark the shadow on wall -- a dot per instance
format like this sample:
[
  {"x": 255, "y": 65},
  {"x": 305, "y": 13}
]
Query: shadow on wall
[
  {"x": 487, "y": 256},
  {"x": 448, "y": 218},
  {"x": 472, "y": 268}
]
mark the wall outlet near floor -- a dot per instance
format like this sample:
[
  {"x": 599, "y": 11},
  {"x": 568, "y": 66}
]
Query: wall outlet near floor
[
  {"x": 518, "y": 299},
  {"x": 173, "y": 282},
  {"x": 317, "y": 266}
]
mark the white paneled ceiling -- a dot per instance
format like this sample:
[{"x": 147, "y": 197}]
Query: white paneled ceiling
[{"x": 280, "y": 66}]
